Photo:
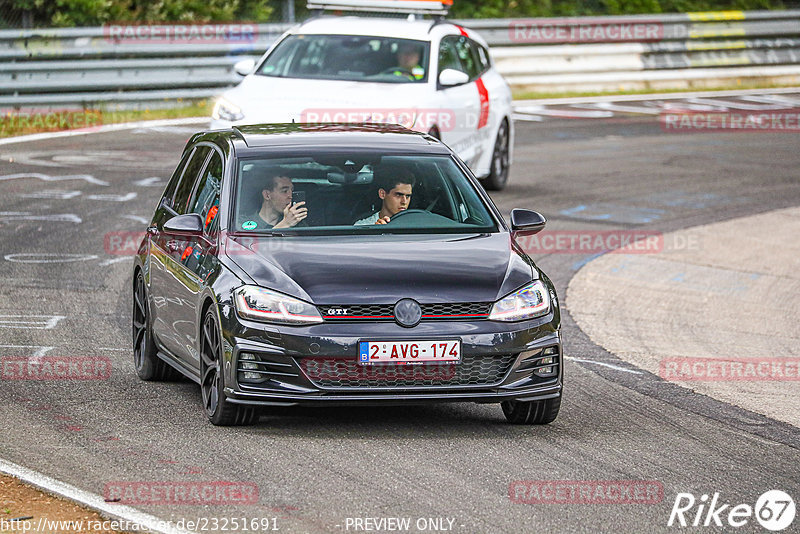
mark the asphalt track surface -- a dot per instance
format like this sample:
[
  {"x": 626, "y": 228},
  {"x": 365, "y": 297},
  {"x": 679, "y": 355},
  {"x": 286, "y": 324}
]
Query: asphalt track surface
[{"x": 315, "y": 468}]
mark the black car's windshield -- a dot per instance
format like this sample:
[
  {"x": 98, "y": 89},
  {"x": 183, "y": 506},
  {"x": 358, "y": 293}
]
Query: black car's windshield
[
  {"x": 334, "y": 193},
  {"x": 349, "y": 57}
]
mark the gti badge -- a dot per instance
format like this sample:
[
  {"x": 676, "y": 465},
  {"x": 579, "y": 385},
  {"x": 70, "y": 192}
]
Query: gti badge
[{"x": 338, "y": 311}]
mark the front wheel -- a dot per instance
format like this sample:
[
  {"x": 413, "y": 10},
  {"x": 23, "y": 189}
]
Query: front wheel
[
  {"x": 219, "y": 410},
  {"x": 498, "y": 174},
  {"x": 531, "y": 412}
]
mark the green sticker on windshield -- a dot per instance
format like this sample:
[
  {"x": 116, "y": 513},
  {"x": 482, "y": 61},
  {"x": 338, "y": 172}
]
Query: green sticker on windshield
[
  {"x": 269, "y": 68},
  {"x": 249, "y": 225}
]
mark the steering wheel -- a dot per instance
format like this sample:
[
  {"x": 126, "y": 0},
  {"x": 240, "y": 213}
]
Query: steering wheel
[
  {"x": 406, "y": 212},
  {"x": 401, "y": 70}
]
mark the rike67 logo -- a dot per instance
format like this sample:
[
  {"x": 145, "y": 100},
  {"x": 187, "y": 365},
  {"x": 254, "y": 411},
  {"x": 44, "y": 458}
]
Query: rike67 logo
[{"x": 774, "y": 510}]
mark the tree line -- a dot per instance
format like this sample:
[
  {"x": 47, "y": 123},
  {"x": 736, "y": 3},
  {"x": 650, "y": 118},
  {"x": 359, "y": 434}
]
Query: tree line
[{"x": 68, "y": 13}]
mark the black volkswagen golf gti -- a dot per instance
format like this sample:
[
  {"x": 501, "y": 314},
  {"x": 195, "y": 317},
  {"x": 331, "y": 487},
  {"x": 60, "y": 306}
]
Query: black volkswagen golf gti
[{"x": 341, "y": 265}]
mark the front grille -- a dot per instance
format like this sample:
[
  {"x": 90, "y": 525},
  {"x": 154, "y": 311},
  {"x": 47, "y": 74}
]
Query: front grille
[
  {"x": 385, "y": 312},
  {"x": 337, "y": 373}
]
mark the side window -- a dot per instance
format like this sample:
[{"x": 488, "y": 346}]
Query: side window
[
  {"x": 448, "y": 58},
  {"x": 468, "y": 57},
  {"x": 483, "y": 57},
  {"x": 185, "y": 188},
  {"x": 206, "y": 197},
  {"x": 176, "y": 176}
]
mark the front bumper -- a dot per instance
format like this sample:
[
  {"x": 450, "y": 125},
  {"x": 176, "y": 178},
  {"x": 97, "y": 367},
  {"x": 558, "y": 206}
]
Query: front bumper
[{"x": 318, "y": 365}]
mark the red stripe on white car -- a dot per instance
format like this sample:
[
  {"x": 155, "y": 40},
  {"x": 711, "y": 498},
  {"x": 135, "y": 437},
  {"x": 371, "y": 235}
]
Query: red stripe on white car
[
  {"x": 462, "y": 30},
  {"x": 483, "y": 120}
]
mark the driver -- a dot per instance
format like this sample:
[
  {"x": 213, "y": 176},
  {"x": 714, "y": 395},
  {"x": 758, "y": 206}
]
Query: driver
[
  {"x": 277, "y": 210},
  {"x": 408, "y": 56},
  {"x": 395, "y": 192}
]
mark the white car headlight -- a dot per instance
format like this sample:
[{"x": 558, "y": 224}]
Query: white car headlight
[
  {"x": 531, "y": 301},
  {"x": 226, "y": 110},
  {"x": 259, "y": 304}
]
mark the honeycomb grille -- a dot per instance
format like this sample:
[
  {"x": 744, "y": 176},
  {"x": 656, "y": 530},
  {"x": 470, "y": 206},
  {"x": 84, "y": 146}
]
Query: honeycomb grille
[
  {"x": 337, "y": 373},
  {"x": 385, "y": 312}
]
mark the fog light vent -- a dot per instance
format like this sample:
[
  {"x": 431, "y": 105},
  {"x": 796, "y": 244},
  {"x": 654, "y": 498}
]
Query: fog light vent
[{"x": 244, "y": 361}]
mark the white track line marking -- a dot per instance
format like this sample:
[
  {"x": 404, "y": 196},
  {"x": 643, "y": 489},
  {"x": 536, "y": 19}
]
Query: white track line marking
[
  {"x": 113, "y": 198},
  {"x": 37, "y": 322},
  {"x": 107, "y": 128},
  {"x": 38, "y": 353},
  {"x": 137, "y": 218},
  {"x": 611, "y": 366},
  {"x": 47, "y": 178},
  {"x": 114, "y": 260},
  {"x": 47, "y": 257},
  {"x": 96, "y": 502},
  {"x": 54, "y": 194}
]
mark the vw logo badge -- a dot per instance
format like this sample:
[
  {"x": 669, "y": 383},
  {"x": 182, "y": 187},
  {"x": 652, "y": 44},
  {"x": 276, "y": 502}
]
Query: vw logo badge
[{"x": 407, "y": 312}]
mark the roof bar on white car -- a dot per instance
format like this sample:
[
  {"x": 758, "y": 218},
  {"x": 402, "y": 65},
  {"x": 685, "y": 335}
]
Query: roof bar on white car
[{"x": 423, "y": 7}]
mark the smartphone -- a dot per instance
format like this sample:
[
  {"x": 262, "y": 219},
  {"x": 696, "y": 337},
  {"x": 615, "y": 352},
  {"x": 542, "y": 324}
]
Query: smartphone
[{"x": 298, "y": 196}]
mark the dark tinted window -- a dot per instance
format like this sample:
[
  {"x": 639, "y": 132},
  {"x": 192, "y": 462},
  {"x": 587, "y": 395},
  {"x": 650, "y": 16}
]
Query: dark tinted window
[
  {"x": 483, "y": 56},
  {"x": 342, "y": 193},
  {"x": 448, "y": 58},
  {"x": 184, "y": 191},
  {"x": 206, "y": 198},
  {"x": 176, "y": 176},
  {"x": 468, "y": 57}
]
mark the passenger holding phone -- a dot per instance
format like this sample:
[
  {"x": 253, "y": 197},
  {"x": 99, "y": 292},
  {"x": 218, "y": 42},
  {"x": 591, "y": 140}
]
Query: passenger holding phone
[{"x": 278, "y": 208}]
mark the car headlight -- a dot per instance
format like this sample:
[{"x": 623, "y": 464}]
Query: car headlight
[
  {"x": 261, "y": 304},
  {"x": 531, "y": 301},
  {"x": 227, "y": 111}
]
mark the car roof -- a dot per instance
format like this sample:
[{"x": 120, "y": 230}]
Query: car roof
[
  {"x": 383, "y": 137},
  {"x": 418, "y": 29}
]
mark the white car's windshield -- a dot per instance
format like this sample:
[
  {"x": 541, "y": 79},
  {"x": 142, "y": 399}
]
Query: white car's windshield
[
  {"x": 351, "y": 193},
  {"x": 349, "y": 57}
]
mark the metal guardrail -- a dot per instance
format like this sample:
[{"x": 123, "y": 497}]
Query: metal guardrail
[{"x": 83, "y": 66}]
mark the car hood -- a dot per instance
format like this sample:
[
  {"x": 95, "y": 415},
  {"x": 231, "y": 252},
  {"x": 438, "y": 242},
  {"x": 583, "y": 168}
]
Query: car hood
[
  {"x": 265, "y": 99},
  {"x": 385, "y": 268}
]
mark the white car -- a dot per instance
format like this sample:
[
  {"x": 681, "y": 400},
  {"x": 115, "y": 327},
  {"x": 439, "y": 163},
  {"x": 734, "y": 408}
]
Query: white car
[{"x": 432, "y": 76}]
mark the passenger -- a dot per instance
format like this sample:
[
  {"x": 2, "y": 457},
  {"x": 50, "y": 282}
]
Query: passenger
[
  {"x": 396, "y": 196},
  {"x": 277, "y": 210}
]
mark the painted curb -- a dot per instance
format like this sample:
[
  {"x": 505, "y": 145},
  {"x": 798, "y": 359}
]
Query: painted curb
[{"x": 121, "y": 512}]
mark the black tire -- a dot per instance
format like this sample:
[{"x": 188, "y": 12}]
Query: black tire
[
  {"x": 148, "y": 365},
  {"x": 498, "y": 174},
  {"x": 531, "y": 412},
  {"x": 218, "y": 409}
]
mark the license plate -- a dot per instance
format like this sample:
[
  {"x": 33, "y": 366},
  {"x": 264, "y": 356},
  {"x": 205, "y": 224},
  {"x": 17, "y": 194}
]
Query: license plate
[{"x": 409, "y": 351}]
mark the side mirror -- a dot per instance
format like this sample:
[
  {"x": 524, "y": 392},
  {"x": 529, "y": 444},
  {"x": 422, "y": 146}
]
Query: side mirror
[
  {"x": 451, "y": 77},
  {"x": 244, "y": 67},
  {"x": 526, "y": 222},
  {"x": 188, "y": 224}
]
